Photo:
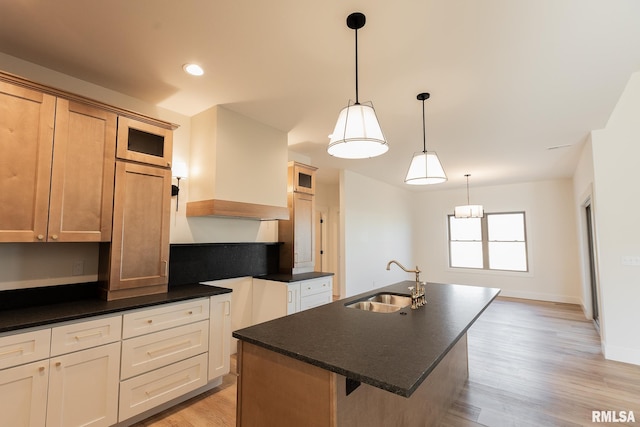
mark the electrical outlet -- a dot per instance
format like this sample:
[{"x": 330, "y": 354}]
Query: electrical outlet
[
  {"x": 78, "y": 268},
  {"x": 631, "y": 260}
]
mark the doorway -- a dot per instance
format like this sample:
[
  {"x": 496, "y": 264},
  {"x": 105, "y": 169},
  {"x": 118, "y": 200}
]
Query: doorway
[{"x": 593, "y": 277}]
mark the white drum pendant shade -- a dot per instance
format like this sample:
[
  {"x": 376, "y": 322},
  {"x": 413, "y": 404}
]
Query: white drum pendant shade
[
  {"x": 468, "y": 211},
  {"x": 357, "y": 134},
  {"x": 425, "y": 168}
]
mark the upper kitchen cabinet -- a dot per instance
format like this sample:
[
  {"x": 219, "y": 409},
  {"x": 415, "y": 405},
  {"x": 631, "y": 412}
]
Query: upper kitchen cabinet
[
  {"x": 303, "y": 178},
  {"x": 137, "y": 260},
  {"x": 144, "y": 142},
  {"x": 81, "y": 200},
  {"x": 238, "y": 167},
  {"x": 56, "y": 168}
]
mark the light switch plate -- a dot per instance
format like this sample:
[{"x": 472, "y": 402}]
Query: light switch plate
[{"x": 631, "y": 260}]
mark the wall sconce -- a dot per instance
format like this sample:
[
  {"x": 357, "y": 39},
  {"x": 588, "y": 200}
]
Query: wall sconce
[{"x": 179, "y": 171}]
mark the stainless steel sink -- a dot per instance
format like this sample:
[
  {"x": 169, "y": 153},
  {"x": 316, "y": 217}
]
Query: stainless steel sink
[
  {"x": 382, "y": 303},
  {"x": 393, "y": 299}
]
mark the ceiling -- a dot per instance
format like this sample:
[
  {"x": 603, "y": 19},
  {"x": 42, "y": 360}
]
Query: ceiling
[{"x": 508, "y": 79}]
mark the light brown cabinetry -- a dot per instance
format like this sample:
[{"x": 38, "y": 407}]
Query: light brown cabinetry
[
  {"x": 136, "y": 261},
  {"x": 297, "y": 254},
  {"x": 56, "y": 168},
  {"x": 143, "y": 142}
]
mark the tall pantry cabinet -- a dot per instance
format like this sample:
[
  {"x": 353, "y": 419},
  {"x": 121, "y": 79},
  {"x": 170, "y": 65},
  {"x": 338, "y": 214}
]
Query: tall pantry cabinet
[
  {"x": 136, "y": 262},
  {"x": 297, "y": 253}
]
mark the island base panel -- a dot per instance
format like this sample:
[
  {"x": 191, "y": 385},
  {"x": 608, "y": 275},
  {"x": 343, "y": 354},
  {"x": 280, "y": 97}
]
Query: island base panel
[
  {"x": 276, "y": 390},
  {"x": 368, "y": 406}
]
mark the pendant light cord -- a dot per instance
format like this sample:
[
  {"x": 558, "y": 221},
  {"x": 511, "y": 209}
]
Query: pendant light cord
[
  {"x": 467, "y": 175},
  {"x": 424, "y": 131},
  {"x": 357, "y": 99}
]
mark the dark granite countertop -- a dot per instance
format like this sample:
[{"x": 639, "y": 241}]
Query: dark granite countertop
[
  {"x": 391, "y": 351},
  {"x": 288, "y": 277},
  {"x": 41, "y": 313}
]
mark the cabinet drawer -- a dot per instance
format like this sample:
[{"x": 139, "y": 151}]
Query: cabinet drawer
[
  {"x": 149, "y": 390},
  {"x": 152, "y": 351},
  {"x": 316, "y": 286},
  {"x": 312, "y": 301},
  {"x": 164, "y": 317},
  {"x": 24, "y": 348},
  {"x": 79, "y": 336}
]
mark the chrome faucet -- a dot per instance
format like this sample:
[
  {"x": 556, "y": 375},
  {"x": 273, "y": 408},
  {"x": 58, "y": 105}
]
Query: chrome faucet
[{"x": 417, "y": 293}]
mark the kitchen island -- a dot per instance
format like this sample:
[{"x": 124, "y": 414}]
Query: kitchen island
[{"x": 340, "y": 366}]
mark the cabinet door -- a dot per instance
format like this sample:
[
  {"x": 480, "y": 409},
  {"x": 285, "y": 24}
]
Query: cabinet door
[
  {"x": 304, "y": 178},
  {"x": 23, "y": 395},
  {"x": 219, "y": 335},
  {"x": 82, "y": 177},
  {"x": 83, "y": 388},
  {"x": 143, "y": 142},
  {"x": 26, "y": 141},
  {"x": 303, "y": 249},
  {"x": 140, "y": 242}
]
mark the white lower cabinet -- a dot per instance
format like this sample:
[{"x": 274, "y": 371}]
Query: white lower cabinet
[
  {"x": 83, "y": 388},
  {"x": 273, "y": 299},
  {"x": 147, "y": 352},
  {"x": 149, "y": 390},
  {"x": 23, "y": 395},
  {"x": 219, "y": 335},
  {"x": 104, "y": 370}
]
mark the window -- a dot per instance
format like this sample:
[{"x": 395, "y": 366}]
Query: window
[{"x": 495, "y": 242}]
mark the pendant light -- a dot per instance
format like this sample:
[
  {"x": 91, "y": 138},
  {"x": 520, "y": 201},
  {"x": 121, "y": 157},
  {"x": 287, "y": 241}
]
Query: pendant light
[
  {"x": 425, "y": 166},
  {"x": 468, "y": 210},
  {"x": 357, "y": 134}
]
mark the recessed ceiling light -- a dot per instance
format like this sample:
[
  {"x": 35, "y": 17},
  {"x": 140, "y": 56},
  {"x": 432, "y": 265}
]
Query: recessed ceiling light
[{"x": 193, "y": 69}]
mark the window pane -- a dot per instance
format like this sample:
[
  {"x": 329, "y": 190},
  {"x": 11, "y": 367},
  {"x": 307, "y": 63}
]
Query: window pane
[
  {"x": 465, "y": 228},
  {"x": 506, "y": 227},
  {"x": 508, "y": 256},
  {"x": 466, "y": 254}
]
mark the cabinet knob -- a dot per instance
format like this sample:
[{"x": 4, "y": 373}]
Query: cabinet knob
[
  {"x": 58, "y": 364},
  {"x": 54, "y": 237},
  {"x": 41, "y": 369},
  {"x": 150, "y": 321},
  {"x": 40, "y": 237}
]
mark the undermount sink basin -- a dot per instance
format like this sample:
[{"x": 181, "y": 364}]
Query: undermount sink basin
[{"x": 382, "y": 303}]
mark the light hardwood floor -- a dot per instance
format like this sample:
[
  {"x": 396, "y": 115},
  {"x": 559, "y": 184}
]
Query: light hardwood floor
[{"x": 530, "y": 364}]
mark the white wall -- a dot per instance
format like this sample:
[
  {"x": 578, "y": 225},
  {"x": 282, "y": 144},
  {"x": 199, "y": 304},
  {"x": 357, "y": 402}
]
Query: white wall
[
  {"x": 376, "y": 222},
  {"x": 616, "y": 162},
  {"x": 551, "y": 233}
]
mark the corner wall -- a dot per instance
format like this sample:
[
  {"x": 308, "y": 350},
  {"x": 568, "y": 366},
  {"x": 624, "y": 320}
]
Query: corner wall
[{"x": 616, "y": 154}]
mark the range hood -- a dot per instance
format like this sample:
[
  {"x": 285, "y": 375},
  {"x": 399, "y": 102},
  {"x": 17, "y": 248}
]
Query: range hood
[
  {"x": 238, "y": 167},
  {"x": 231, "y": 209}
]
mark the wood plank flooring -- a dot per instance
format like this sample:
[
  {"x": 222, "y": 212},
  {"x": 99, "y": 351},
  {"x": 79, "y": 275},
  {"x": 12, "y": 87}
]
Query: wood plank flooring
[{"x": 530, "y": 364}]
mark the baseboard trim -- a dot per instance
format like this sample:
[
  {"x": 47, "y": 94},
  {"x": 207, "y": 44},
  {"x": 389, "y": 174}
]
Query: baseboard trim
[
  {"x": 621, "y": 354},
  {"x": 541, "y": 297}
]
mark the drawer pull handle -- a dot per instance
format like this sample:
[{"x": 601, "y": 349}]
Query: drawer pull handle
[
  {"x": 58, "y": 364},
  {"x": 167, "y": 387},
  {"x": 85, "y": 336},
  {"x": 170, "y": 347},
  {"x": 19, "y": 350},
  {"x": 190, "y": 312},
  {"x": 150, "y": 321},
  {"x": 41, "y": 369}
]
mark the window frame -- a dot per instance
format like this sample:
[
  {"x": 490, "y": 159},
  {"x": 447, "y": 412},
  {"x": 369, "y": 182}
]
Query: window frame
[{"x": 484, "y": 230}]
